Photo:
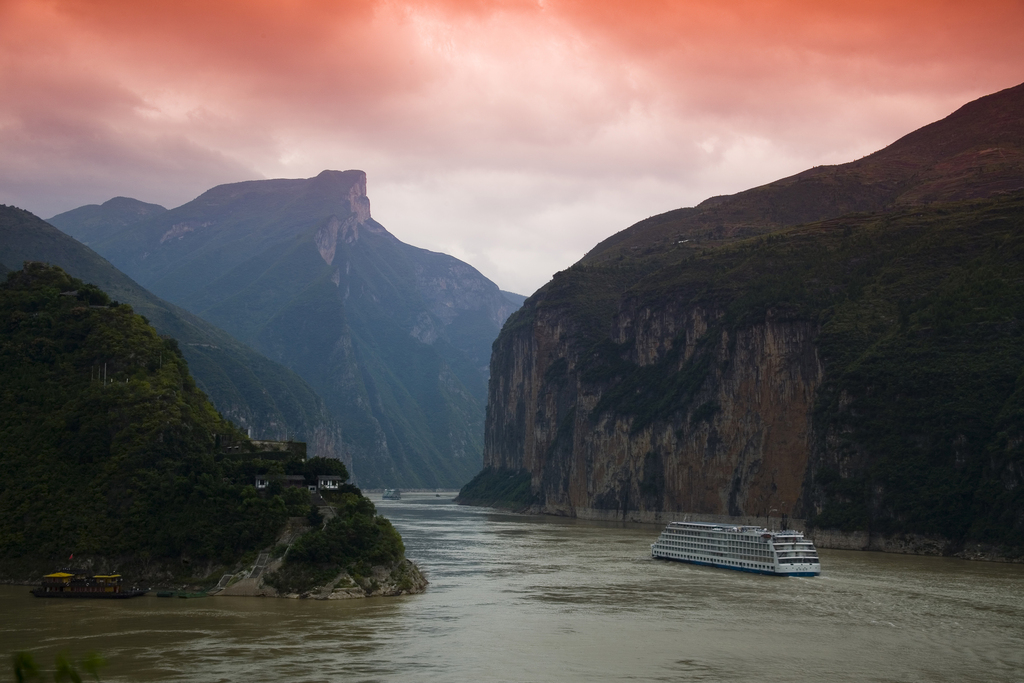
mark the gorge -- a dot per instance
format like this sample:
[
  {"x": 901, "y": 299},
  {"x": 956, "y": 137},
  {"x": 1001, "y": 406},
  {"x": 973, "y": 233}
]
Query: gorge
[{"x": 395, "y": 339}]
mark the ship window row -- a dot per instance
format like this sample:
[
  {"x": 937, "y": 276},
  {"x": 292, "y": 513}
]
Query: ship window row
[
  {"x": 718, "y": 554},
  {"x": 726, "y": 541},
  {"x": 749, "y": 550},
  {"x": 703, "y": 534},
  {"x": 704, "y": 558},
  {"x": 694, "y": 546}
]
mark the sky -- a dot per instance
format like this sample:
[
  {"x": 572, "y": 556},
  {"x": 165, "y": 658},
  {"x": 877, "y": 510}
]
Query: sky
[{"x": 513, "y": 135}]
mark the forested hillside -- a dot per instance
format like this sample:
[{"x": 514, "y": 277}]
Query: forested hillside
[
  {"x": 249, "y": 389},
  {"x": 107, "y": 445},
  {"x": 111, "y": 453},
  {"x": 863, "y": 369},
  {"x": 395, "y": 339}
]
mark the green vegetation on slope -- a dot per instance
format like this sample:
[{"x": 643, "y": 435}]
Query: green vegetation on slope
[
  {"x": 910, "y": 300},
  {"x": 108, "y": 447},
  {"x": 920, "y": 417},
  {"x": 355, "y": 541},
  {"x": 395, "y": 339},
  {"x": 249, "y": 389},
  {"x": 109, "y": 450},
  {"x": 973, "y": 153},
  {"x": 499, "y": 488},
  {"x": 346, "y": 330}
]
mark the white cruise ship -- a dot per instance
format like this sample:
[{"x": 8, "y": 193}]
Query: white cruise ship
[{"x": 745, "y": 548}]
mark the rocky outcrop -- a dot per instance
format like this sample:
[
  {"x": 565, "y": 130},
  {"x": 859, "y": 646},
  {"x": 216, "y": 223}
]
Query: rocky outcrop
[
  {"x": 347, "y": 229},
  {"x": 259, "y": 578},
  {"x": 403, "y": 578},
  {"x": 450, "y": 287}
]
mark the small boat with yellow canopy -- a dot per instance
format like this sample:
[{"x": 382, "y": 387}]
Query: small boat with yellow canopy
[{"x": 66, "y": 584}]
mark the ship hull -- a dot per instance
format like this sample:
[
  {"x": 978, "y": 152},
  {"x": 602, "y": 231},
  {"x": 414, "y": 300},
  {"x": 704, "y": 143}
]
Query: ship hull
[{"x": 747, "y": 570}]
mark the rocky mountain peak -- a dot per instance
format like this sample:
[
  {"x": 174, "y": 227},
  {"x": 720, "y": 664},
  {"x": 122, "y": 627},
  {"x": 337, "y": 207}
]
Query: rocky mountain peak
[
  {"x": 353, "y": 185},
  {"x": 350, "y": 184}
]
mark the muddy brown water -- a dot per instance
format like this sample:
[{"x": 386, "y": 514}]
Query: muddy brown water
[{"x": 518, "y": 598}]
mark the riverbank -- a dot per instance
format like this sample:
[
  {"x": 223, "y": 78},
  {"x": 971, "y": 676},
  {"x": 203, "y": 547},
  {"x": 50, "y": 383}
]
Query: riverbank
[
  {"x": 253, "y": 575},
  {"x": 403, "y": 578}
]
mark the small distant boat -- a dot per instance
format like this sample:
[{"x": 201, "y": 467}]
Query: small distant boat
[
  {"x": 392, "y": 494},
  {"x": 75, "y": 585}
]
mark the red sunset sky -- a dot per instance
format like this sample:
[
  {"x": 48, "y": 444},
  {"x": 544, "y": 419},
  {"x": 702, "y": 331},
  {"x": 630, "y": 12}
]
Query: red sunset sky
[{"x": 514, "y": 135}]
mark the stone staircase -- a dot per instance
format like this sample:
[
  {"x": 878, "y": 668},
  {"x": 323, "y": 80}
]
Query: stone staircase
[
  {"x": 261, "y": 564},
  {"x": 251, "y": 584}
]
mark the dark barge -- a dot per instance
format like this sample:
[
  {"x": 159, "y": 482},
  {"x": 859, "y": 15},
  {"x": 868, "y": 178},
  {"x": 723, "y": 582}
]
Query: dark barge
[{"x": 99, "y": 586}]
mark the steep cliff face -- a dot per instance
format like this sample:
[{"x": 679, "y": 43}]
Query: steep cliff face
[
  {"x": 470, "y": 308},
  {"x": 737, "y": 442},
  {"x": 866, "y": 374},
  {"x": 864, "y": 371}
]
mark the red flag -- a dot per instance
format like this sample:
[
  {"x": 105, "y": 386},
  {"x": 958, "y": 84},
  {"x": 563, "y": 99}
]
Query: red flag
[{"x": 72, "y": 555}]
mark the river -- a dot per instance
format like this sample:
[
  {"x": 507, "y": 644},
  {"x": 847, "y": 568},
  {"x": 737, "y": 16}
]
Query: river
[{"x": 520, "y": 598}]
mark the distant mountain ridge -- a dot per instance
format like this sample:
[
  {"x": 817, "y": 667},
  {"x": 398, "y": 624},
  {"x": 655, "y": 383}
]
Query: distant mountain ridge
[
  {"x": 974, "y": 152},
  {"x": 396, "y": 339},
  {"x": 95, "y": 222},
  {"x": 252, "y": 391},
  {"x": 175, "y": 253}
]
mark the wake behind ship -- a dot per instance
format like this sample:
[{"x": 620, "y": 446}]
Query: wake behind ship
[{"x": 744, "y": 548}]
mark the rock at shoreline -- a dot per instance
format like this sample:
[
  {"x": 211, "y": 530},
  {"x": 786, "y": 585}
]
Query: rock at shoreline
[{"x": 403, "y": 578}]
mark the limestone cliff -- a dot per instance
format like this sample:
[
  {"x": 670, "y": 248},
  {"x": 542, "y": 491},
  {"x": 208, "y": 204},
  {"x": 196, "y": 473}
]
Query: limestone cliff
[
  {"x": 865, "y": 370},
  {"x": 737, "y": 444}
]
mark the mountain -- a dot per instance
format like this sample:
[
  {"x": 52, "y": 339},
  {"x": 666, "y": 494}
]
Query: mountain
[
  {"x": 975, "y": 152},
  {"x": 246, "y": 387},
  {"x": 396, "y": 339},
  {"x": 112, "y": 453},
  {"x": 96, "y": 222},
  {"x": 109, "y": 448},
  {"x": 515, "y": 299},
  {"x": 844, "y": 345}
]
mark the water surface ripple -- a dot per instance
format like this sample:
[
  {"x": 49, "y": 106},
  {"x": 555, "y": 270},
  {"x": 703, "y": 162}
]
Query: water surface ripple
[{"x": 517, "y": 598}]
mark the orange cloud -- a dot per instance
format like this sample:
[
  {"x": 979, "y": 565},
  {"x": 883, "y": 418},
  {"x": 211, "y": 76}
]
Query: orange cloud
[{"x": 550, "y": 117}]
